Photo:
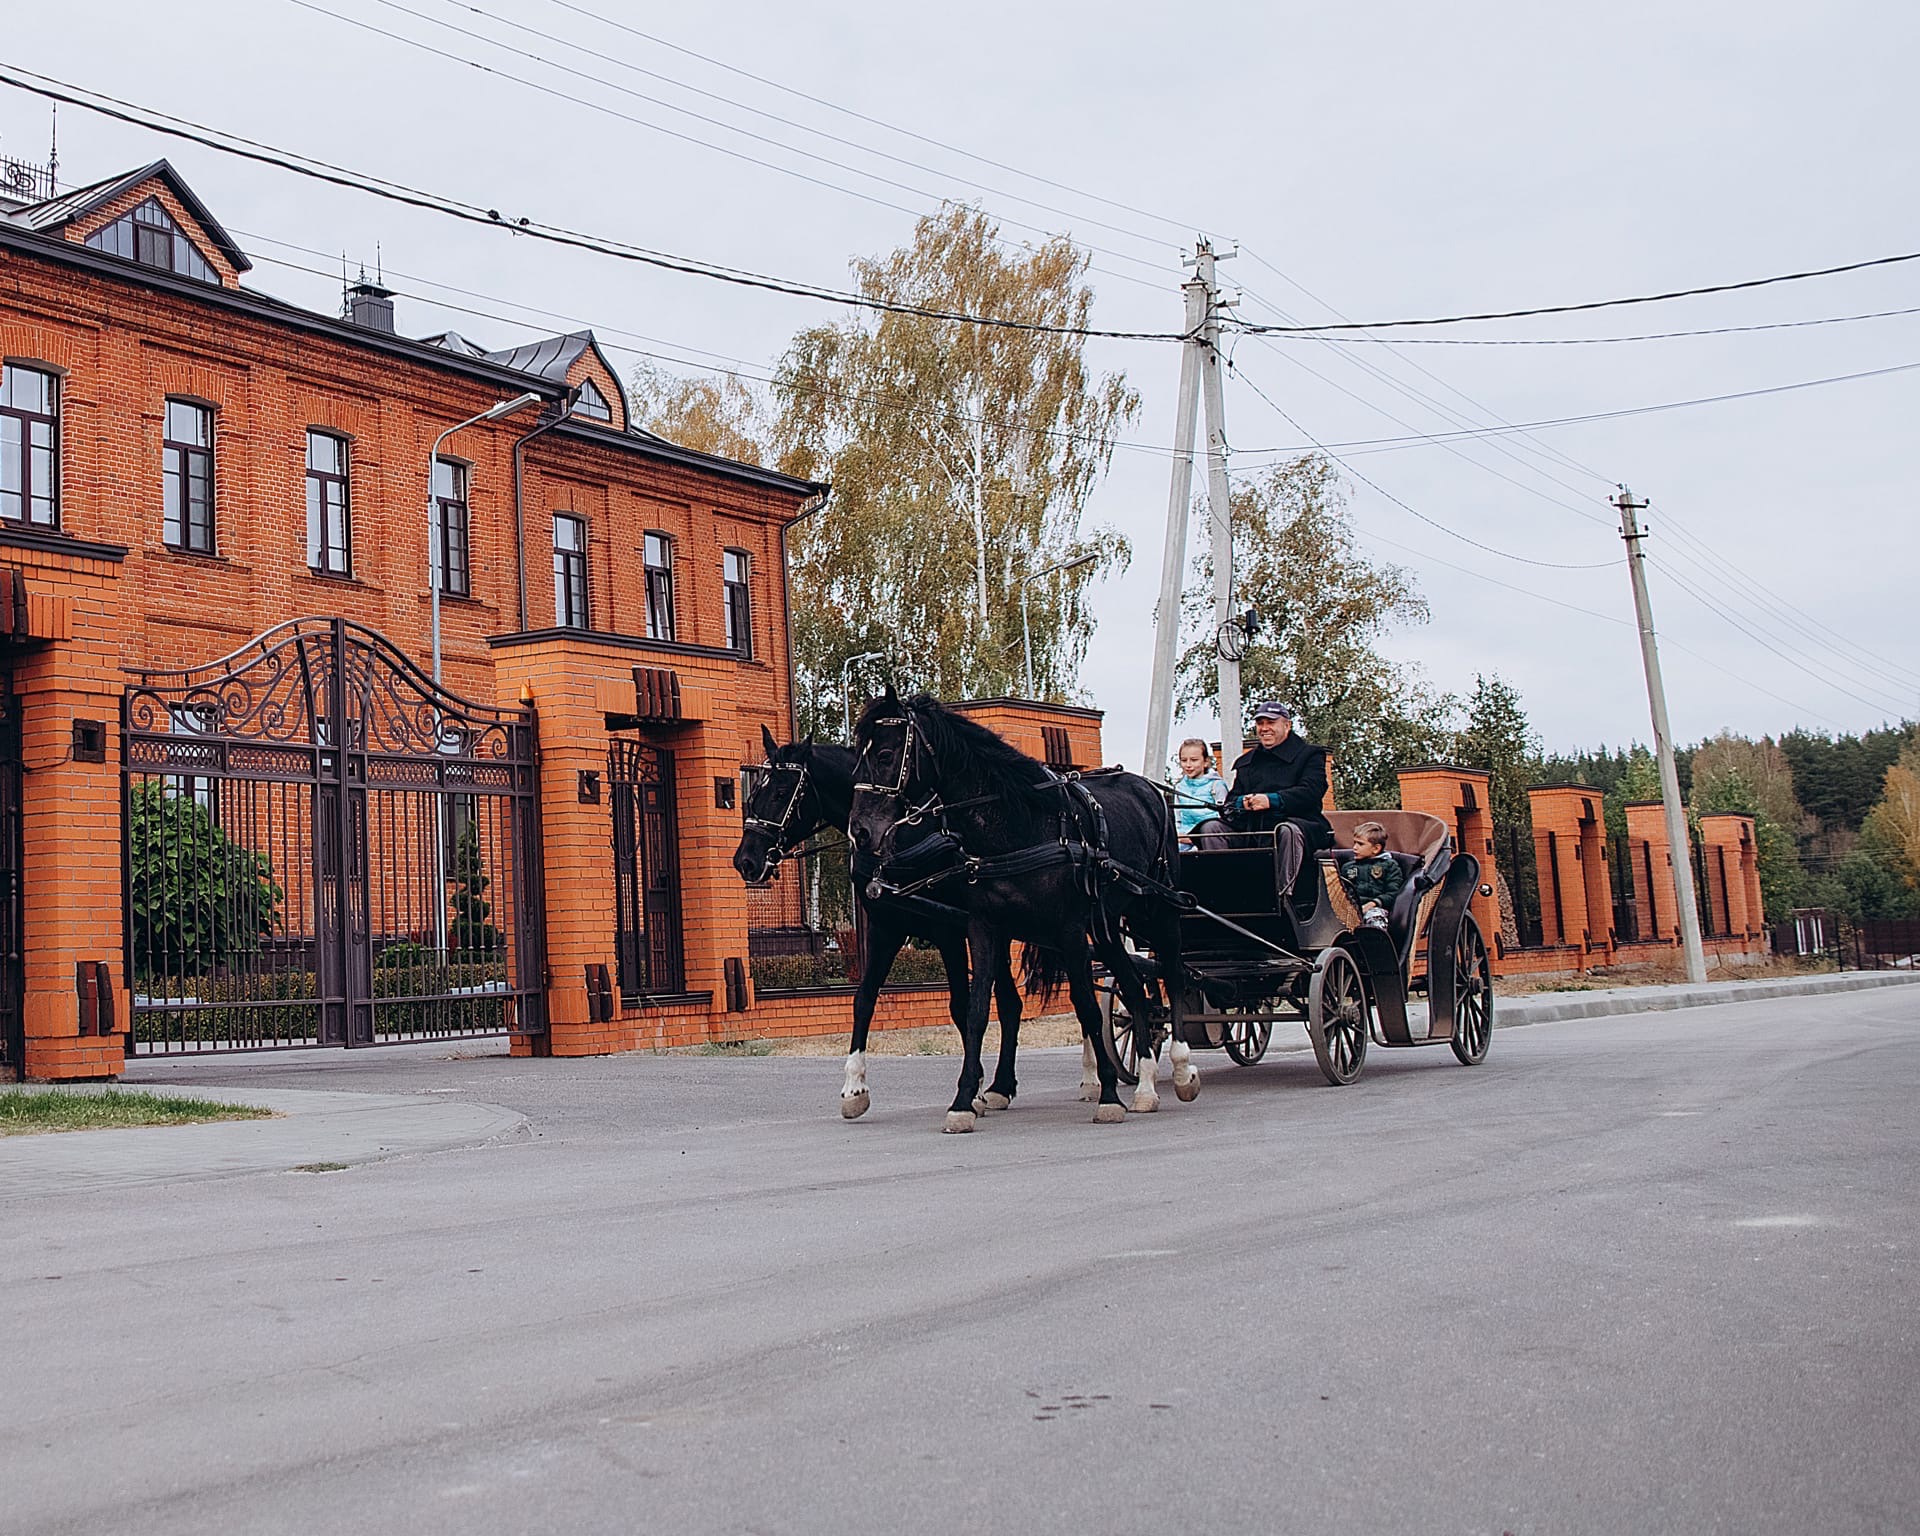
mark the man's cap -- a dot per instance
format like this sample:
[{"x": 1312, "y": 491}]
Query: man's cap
[{"x": 1272, "y": 709}]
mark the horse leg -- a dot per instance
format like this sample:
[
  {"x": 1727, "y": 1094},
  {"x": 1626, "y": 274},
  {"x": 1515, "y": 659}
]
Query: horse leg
[
  {"x": 1146, "y": 1097},
  {"x": 884, "y": 941},
  {"x": 1007, "y": 1004},
  {"x": 953, "y": 954},
  {"x": 1089, "y": 1071},
  {"x": 1109, "y": 1110},
  {"x": 1166, "y": 949},
  {"x": 982, "y": 946}
]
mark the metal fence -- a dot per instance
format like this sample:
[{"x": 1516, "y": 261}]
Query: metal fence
[
  {"x": 1520, "y": 876},
  {"x": 804, "y": 928}
]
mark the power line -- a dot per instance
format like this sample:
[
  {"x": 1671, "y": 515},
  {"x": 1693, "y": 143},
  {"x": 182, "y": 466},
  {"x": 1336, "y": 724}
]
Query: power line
[
  {"x": 155, "y": 121},
  {"x": 641, "y": 122},
  {"x": 846, "y": 111},
  {"x": 1451, "y": 532},
  {"x": 1593, "y": 304},
  {"x": 1598, "y": 341},
  {"x": 1384, "y": 444}
]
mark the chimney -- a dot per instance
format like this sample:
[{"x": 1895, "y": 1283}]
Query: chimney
[{"x": 369, "y": 305}]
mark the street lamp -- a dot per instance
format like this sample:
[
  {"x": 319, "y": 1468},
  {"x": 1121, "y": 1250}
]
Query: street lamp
[
  {"x": 1026, "y": 625},
  {"x": 434, "y": 551},
  {"x": 846, "y": 684}
]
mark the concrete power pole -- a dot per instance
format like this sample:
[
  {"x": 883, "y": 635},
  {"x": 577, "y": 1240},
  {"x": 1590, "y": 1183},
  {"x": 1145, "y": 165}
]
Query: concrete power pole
[
  {"x": 1219, "y": 515},
  {"x": 1199, "y": 375},
  {"x": 1173, "y": 554},
  {"x": 1679, "y": 844}
]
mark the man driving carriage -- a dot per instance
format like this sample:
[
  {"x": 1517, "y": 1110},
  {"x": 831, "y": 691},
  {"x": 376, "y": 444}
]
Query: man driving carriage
[{"x": 1279, "y": 786}]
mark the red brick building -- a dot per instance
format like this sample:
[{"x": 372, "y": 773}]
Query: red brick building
[{"x": 186, "y": 464}]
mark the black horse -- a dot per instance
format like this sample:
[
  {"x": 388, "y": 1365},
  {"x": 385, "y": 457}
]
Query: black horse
[
  {"x": 804, "y": 788},
  {"x": 1067, "y": 864}
]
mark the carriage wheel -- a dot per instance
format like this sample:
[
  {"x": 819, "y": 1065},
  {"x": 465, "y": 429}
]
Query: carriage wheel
[
  {"x": 1116, "y": 1035},
  {"x": 1247, "y": 1039},
  {"x": 1472, "y": 996},
  {"x": 1338, "y": 1016}
]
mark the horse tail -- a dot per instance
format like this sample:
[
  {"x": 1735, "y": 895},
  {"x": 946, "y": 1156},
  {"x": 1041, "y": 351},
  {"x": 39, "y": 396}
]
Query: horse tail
[{"x": 1043, "y": 971}]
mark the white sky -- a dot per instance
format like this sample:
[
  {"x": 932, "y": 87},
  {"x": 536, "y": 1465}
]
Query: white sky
[{"x": 1395, "y": 159}]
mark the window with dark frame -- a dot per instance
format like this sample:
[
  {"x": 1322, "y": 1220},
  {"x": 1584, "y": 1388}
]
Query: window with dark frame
[
  {"x": 187, "y": 452},
  {"x": 329, "y": 511},
  {"x": 451, "y": 545},
  {"x": 657, "y": 555},
  {"x": 735, "y": 600},
  {"x": 591, "y": 404},
  {"x": 150, "y": 236},
  {"x": 569, "y": 571},
  {"x": 29, "y": 446}
]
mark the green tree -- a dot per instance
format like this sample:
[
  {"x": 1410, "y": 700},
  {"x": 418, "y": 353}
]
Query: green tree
[
  {"x": 962, "y": 459},
  {"x": 470, "y": 936},
  {"x": 197, "y": 898},
  {"x": 1498, "y": 737},
  {"x": 1326, "y": 607},
  {"x": 1755, "y": 778}
]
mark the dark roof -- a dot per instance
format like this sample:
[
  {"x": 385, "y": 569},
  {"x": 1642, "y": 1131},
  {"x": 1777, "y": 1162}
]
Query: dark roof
[
  {"x": 55, "y": 213},
  {"x": 548, "y": 358}
]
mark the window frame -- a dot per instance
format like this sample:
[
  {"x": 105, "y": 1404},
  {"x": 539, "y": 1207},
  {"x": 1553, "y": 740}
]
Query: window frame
[
  {"x": 177, "y": 460},
  {"x": 320, "y": 549},
  {"x": 454, "y": 511},
  {"x": 657, "y": 584},
  {"x": 736, "y": 603},
  {"x": 602, "y": 412},
  {"x": 27, "y": 420},
  {"x": 571, "y": 597}
]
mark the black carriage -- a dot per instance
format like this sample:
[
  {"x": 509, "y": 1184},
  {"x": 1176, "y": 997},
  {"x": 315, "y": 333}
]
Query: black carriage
[{"x": 1255, "y": 955}]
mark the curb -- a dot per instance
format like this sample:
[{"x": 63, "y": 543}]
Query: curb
[{"x": 1510, "y": 1013}]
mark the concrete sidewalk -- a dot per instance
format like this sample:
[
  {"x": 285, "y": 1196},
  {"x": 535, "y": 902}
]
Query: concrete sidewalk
[
  {"x": 310, "y": 1128},
  {"x": 1548, "y": 1007}
]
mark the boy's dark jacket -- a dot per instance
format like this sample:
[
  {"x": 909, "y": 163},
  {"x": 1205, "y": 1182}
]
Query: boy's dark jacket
[
  {"x": 1376, "y": 879},
  {"x": 1295, "y": 774}
]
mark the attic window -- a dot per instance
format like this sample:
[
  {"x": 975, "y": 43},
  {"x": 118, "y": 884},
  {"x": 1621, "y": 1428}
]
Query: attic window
[
  {"x": 149, "y": 236},
  {"x": 591, "y": 403}
]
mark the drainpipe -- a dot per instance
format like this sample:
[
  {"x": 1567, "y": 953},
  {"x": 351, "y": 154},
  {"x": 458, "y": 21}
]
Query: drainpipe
[
  {"x": 806, "y": 511},
  {"x": 519, "y": 511}
]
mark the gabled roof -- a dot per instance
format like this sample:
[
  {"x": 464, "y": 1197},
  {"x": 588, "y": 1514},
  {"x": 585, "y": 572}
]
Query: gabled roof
[
  {"x": 549, "y": 358},
  {"x": 56, "y": 213}
]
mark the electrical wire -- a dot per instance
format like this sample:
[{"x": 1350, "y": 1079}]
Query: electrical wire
[
  {"x": 1599, "y": 341},
  {"x": 1591, "y": 304},
  {"x": 308, "y": 166}
]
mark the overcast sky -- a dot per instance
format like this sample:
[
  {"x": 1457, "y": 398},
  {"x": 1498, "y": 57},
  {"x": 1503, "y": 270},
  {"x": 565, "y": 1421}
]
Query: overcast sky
[{"x": 1391, "y": 159}]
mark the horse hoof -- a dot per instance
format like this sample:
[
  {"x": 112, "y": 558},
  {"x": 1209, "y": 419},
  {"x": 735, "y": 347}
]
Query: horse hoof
[
  {"x": 854, "y": 1105},
  {"x": 1188, "y": 1091},
  {"x": 998, "y": 1100},
  {"x": 1145, "y": 1105},
  {"x": 1089, "y": 1093},
  {"x": 959, "y": 1122},
  {"x": 1109, "y": 1114}
]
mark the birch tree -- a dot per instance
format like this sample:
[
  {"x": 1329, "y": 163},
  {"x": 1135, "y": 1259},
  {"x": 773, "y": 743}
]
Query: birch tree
[{"x": 962, "y": 459}]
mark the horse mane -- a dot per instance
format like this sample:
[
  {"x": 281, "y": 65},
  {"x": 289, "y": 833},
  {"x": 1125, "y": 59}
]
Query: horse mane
[{"x": 965, "y": 746}]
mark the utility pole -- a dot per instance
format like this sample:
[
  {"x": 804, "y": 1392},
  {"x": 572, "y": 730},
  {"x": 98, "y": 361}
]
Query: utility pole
[
  {"x": 1219, "y": 513},
  {"x": 1679, "y": 843},
  {"x": 1198, "y": 293}
]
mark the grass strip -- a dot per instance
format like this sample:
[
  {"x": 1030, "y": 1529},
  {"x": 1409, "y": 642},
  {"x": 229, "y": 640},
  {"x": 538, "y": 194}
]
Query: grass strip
[{"x": 27, "y": 1111}]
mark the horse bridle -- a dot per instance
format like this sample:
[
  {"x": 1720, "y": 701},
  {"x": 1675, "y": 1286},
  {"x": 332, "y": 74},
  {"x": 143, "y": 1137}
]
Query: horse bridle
[{"x": 781, "y": 846}]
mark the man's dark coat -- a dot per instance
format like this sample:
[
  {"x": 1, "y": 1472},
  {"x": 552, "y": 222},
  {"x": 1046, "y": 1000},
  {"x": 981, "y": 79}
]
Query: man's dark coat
[{"x": 1294, "y": 773}]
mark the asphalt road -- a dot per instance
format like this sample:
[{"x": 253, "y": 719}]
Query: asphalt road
[{"x": 1652, "y": 1273}]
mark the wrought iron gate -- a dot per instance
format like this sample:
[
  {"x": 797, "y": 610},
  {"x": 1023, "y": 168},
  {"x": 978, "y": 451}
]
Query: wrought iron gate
[
  {"x": 321, "y": 847},
  {"x": 646, "y": 870},
  {"x": 12, "y": 941}
]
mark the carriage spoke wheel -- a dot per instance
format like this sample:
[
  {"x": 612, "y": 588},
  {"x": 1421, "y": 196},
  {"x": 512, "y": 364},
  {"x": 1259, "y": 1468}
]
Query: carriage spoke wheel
[
  {"x": 1472, "y": 996},
  {"x": 1338, "y": 1017},
  {"x": 1116, "y": 1035},
  {"x": 1247, "y": 1039}
]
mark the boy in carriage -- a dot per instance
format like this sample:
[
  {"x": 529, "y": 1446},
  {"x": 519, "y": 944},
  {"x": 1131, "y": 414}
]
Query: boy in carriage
[{"x": 1372, "y": 876}]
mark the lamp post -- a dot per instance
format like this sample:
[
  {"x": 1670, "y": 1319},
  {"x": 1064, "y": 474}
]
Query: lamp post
[
  {"x": 846, "y": 684},
  {"x": 434, "y": 552},
  {"x": 1026, "y": 623}
]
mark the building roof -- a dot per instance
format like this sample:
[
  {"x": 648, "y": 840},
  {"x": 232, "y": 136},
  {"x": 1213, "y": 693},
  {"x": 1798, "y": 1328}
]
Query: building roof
[{"x": 53, "y": 214}]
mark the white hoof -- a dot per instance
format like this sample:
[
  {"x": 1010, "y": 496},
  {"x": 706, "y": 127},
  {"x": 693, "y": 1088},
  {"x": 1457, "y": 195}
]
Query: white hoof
[
  {"x": 854, "y": 1105},
  {"x": 1109, "y": 1114},
  {"x": 1145, "y": 1103},
  {"x": 996, "y": 1100},
  {"x": 1188, "y": 1091},
  {"x": 1089, "y": 1093},
  {"x": 959, "y": 1122}
]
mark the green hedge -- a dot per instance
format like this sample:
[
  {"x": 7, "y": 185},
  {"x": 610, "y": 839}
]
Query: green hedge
[{"x": 398, "y": 1007}]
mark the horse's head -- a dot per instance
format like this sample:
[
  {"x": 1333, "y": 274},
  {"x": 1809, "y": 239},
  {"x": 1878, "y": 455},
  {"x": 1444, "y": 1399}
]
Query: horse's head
[
  {"x": 886, "y": 775},
  {"x": 781, "y": 808}
]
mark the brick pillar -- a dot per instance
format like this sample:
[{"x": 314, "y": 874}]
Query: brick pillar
[
  {"x": 1462, "y": 798},
  {"x": 1659, "y": 910},
  {"x": 72, "y": 896},
  {"x": 1561, "y": 816},
  {"x": 1725, "y": 836},
  {"x": 1750, "y": 869}
]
